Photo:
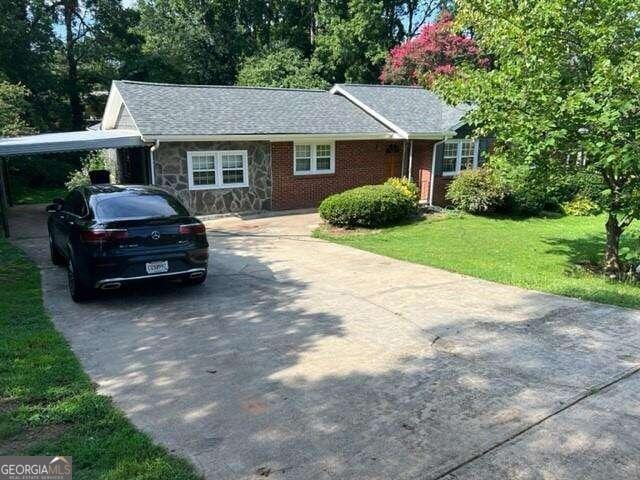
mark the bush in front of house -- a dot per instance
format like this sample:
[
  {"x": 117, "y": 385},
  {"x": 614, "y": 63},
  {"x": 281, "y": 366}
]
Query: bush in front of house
[
  {"x": 94, "y": 161},
  {"x": 368, "y": 206},
  {"x": 580, "y": 206},
  {"x": 527, "y": 190},
  {"x": 406, "y": 187},
  {"x": 477, "y": 191}
]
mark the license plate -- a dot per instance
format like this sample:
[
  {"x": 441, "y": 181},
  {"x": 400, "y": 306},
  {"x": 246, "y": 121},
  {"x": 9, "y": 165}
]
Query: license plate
[{"x": 157, "y": 267}]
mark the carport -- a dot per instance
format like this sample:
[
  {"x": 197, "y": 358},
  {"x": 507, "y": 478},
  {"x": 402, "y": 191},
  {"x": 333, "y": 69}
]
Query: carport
[{"x": 131, "y": 152}]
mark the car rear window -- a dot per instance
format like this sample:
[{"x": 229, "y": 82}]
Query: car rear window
[{"x": 130, "y": 206}]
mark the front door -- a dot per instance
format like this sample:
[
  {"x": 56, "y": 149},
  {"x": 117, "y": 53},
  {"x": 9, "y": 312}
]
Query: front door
[{"x": 393, "y": 165}]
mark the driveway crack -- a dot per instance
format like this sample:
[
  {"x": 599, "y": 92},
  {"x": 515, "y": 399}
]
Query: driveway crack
[{"x": 589, "y": 393}]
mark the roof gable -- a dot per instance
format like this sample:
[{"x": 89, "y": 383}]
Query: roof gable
[{"x": 409, "y": 111}]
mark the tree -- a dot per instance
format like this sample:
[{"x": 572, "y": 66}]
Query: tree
[
  {"x": 13, "y": 109},
  {"x": 280, "y": 66},
  {"x": 416, "y": 13},
  {"x": 566, "y": 80},
  {"x": 436, "y": 50},
  {"x": 353, "y": 38},
  {"x": 193, "y": 42},
  {"x": 27, "y": 46},
  {"x": 93, "y": 31}
]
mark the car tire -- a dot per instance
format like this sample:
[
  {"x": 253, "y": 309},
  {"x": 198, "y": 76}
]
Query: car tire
[
  {"x": 77, "y": 289},
  {"x": 56, "y": 257},
  {"x": 195, "y": 281}
]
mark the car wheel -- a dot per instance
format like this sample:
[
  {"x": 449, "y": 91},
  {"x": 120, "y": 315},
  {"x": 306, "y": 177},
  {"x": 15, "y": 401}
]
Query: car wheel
[
  {"x": 56, "y": 256},
  {"x": 77, "y": 289},
  {"x": 195, "y": 281}
]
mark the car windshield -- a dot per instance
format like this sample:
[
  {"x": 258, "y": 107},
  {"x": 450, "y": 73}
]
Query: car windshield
[{"x": 132, "y": 206}]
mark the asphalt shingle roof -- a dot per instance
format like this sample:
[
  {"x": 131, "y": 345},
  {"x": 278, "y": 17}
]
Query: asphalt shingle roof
[
  {"x": 413, "y": 109},
  {"x": 162, "y": 109}
]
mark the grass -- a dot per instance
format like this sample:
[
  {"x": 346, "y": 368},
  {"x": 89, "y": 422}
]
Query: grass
[
  {"x": 23, "y": 194},
  {"x": 541, "y": 253},
  {"x": 48, "y": 405}
]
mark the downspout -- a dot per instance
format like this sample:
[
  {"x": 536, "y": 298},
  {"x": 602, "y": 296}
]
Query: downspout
[{"x": 152, "y": 158}]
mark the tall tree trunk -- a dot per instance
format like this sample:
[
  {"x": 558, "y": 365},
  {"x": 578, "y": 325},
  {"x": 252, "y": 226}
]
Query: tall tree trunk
[
  {"x": 73, "y": 88},
  {"x": 612, "y": 265}
]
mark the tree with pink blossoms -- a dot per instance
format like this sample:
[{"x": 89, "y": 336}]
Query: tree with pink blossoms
[{"x": 436, "y": 50}]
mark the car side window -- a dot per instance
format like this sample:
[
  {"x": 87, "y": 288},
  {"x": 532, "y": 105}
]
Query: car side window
[{"x": 74, "y": 203}]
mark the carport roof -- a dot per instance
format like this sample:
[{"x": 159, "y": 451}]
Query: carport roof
[{"x": 70, "y": 141}]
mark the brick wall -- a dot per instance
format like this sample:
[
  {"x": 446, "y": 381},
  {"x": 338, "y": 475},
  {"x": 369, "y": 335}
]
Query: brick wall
[
  {"x": 421, "y": 170},
  {"x": 359, "y": 162},
  {"x": 440, "y": 189}
]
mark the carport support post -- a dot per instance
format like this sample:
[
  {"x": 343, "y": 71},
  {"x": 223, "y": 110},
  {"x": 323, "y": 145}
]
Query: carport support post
[
  {"x": 410, "y": 158},
  {"x": 7, "y": 179},
  {"x": 3, "y": 201}
]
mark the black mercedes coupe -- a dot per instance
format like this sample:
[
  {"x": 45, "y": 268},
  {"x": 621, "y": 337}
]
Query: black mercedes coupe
[{"x": 110, "y": 235}]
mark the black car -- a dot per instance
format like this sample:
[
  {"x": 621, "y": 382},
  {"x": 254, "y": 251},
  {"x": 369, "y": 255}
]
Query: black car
[{"x": 109, "y": 235}]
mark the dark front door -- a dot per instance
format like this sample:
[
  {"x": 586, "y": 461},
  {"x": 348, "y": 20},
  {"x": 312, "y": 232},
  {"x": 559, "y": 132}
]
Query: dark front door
[{"x": 393, "y": 165}]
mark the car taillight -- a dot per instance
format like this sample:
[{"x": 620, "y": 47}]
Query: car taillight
[
  {"x": 101, "y": 235},
  {"x": 192, "y": 229}
]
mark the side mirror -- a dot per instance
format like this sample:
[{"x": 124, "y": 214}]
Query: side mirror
[
  {"x": 58, "y": 201},
  {"x": 54, "y": 207}
]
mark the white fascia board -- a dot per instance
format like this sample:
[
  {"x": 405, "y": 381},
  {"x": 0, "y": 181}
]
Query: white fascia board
[
  {"x": 112, "y": 110},
  {"x": 271, "y": 137},
  {"x": 385, "y": 121}
]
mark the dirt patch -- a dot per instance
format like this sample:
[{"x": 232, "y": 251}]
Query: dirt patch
[
  {"x": 8, "y": 405},
  {"x": 20, "y": 443}
]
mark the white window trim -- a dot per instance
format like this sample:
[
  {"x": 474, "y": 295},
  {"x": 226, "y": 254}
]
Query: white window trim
[
  {"x": 459, "y": 142},
  {"x": 314, "y": 171},
  {"x": 217, "y": 154}
]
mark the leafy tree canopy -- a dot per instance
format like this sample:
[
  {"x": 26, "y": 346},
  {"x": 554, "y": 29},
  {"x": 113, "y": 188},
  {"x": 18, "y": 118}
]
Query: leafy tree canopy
[
  {"x": 13, "y": 109},
  {"x": 436, "y": 50},
  {"x": 566, "y": 81},
  {"x": 280, "y": 66}
]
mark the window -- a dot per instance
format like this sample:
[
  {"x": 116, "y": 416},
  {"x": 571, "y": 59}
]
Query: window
[
  {"x": 74, "y": 203},
  {"x": 313, "y": 158},
  {"x": 133, "y": 205},
  {"x": 217, "y": 169},
  {"x": 459, "y": 155}
]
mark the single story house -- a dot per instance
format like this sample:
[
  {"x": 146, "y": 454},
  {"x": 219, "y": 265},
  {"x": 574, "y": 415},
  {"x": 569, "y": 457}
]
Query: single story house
[{"x": 231, "y": 149}]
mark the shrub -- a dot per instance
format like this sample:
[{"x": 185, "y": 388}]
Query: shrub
[
  {"x": 94, "y": 161},
  {"x": 368, "y": 206},
  {"x": 477, "y": 191},
  {"x": 581, "y": 206},
  {"x": 527, "y": 192},
  {"x": 406, "y": 187}
]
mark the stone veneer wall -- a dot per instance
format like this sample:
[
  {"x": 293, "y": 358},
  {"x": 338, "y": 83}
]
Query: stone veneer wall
[{"x": 171, "y": 174}]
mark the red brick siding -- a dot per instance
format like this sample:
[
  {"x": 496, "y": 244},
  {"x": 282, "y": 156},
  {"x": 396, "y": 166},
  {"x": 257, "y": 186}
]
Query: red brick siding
[
  {"x": 359, "y": 162},
  {"x": 440, "y": 189},
  {"x": 421, "y": 169}
]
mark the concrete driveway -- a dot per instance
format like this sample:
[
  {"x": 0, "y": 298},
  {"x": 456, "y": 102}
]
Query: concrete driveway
[{"x": 301, "y": 359}]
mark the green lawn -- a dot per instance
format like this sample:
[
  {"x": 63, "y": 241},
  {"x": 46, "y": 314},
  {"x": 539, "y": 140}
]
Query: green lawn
[
  {"x": 541, "y": 253},
  {"x": 23, "y": 194},
  {"x": 48, "y": 405}
]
